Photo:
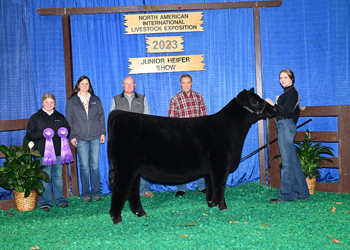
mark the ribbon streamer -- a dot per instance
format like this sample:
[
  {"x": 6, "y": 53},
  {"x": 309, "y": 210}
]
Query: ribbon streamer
[
  {"x": 66, "y": 153},
  {"x": 49, "y": 154}
]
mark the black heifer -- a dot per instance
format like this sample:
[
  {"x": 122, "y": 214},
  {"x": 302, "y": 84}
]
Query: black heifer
[{"x": 177, "y": 150}]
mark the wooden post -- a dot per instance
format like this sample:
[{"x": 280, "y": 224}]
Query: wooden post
[
  {"x": 67, "y": 47},
  {"x": 258, "y": 76},
  {"x": 344, "y": 145},
  {"x": 274, "y": 172}
]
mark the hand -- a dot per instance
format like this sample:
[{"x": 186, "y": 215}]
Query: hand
[
  {"x": 74, "y": 142},
  {"x": 269, "y": 101},
  {"x": 102, "y": 139}
]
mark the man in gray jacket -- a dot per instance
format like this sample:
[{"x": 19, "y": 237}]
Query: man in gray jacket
[{"x": 131, "y": 101}]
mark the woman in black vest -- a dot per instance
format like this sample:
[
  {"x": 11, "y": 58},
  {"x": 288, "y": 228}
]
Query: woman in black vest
[{"x": 293, "y": 183}]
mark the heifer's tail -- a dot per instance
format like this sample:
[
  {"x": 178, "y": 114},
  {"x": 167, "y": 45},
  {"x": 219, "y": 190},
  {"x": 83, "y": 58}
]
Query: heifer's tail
[
  {"x": 111, "y": 166},
  {"x": 111, "y": 177}
]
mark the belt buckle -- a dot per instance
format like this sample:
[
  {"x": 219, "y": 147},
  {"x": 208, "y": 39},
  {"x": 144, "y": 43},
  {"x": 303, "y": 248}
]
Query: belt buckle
[{"x": 279, "y": 118}]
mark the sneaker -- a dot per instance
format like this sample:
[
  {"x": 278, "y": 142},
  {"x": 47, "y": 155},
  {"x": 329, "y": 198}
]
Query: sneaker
[
  {"x": 275, "y": 200},
  {"x": 63, "y": 204},
  {"x": 148, "y": 194},
  {"x": 45, "y": 208},
  {"x": 88, "y": 199},
  {"x": 97, "y": 198}
]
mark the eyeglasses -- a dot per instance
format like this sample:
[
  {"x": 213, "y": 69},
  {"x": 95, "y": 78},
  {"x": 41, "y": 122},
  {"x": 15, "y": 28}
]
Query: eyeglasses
[{"x": 128, "y": 84}]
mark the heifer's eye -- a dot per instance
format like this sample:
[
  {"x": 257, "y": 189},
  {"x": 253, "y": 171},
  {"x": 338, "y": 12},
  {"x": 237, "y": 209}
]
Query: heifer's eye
[{"x": 255, "y": 102}]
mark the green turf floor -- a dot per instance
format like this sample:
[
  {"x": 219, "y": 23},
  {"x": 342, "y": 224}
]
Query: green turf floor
[{"x": 251, "y": 222}]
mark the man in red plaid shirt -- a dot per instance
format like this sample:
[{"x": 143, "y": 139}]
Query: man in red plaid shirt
[{"x": 187, "y": 104}]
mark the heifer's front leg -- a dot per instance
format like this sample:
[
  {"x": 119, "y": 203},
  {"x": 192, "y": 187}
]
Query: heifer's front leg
[
  {"x": 219, "y": 189},
  {"x": 134, "y": 198},
  {"x": 210, "y": 191}
]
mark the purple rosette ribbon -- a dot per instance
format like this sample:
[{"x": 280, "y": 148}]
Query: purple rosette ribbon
[
  {"x": 49, "y": 154},
  {"x": 66, "y": 154}
]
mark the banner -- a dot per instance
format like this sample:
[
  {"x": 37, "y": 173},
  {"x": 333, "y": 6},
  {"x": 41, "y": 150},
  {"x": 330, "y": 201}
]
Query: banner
[{"x": 163, "y": 23}]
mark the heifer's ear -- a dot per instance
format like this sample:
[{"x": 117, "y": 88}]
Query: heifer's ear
[{"x": 251, "y": 90}]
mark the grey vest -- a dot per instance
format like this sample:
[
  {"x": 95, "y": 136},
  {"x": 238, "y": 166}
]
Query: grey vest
[{"x": 121, "y": 103}]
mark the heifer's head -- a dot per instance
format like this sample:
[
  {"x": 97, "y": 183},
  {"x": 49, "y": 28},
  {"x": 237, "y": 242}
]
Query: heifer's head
[{"x": 255, "y": 104}]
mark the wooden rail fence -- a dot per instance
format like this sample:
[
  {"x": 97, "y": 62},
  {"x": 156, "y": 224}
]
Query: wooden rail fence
[{"x": 342, "y": 136}]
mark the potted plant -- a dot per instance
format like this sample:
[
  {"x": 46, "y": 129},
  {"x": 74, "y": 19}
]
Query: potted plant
[
  {"x": 22, "y": 174},
  {"x": 310, "y": 156}
]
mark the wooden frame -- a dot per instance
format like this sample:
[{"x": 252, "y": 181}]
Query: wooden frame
[
  {"x": 342, "y": 136},
  {"x": 157, "y": 8},
  {"x": 65, "y": 12},
  {"x": 67, "y": 45}
]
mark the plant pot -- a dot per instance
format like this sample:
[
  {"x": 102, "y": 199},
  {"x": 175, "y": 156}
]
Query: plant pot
[
  {"x": 311, "y": 183},
  {"x": 25, "y": 204}
]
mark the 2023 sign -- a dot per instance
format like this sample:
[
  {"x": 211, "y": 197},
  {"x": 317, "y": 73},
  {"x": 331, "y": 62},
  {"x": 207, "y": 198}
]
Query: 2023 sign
[
  {"x": 164, "y": 44},
  {"x": 161, "y": 44}
]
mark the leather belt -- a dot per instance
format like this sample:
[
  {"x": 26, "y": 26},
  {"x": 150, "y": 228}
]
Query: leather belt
[{"x": 281, "y": 118}]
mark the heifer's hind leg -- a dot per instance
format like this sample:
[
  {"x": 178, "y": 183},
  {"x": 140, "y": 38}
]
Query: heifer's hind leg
[
  {"x": 221, "y": 201},
  {"x": 123, "y": 182},
  {"x": 117, "y": 204},
  {"x": 134, "y": 198}
]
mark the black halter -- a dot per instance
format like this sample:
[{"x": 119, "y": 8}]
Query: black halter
[{"x": 256, "y": 112}]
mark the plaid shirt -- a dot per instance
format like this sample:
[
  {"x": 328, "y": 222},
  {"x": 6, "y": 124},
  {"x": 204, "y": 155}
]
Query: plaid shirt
[{"x": 183, "y": 106}]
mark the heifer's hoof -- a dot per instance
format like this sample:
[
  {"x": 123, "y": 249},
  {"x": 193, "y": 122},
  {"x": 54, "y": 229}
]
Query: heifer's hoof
[
  {"x": 141, "y": 214},
  {"x": 179, "y": 193},
  {"x": 223, "y": 208},
  {"x": 204, "y": 191},
  {"x": 211, "y": 204},
  {"x": 117, "y": 220}
]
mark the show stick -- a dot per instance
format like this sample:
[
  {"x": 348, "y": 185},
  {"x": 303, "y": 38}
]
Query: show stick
[{"x": 262, "y": 147}]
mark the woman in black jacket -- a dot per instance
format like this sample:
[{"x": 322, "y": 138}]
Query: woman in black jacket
[
  {"x": 86, "y": 117},
  {"x": 49, "y": 117}
]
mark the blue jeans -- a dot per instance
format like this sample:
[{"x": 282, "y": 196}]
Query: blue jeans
[
  {"x": 200, "y": 185},
  {"x": 144, "y": 186},
  {"x": 55, "y": 174},
  {"x": 293, "y": 183},
  {"x": 88, "y": 153}
]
